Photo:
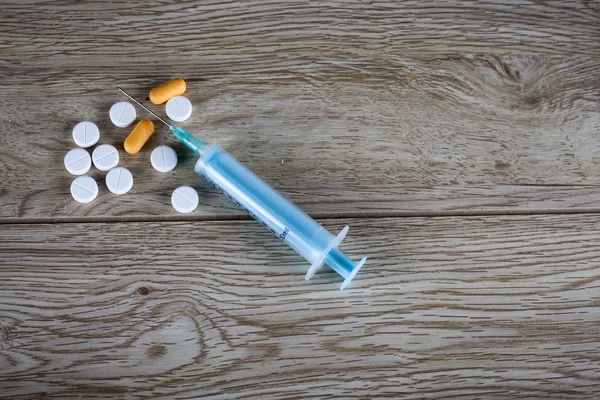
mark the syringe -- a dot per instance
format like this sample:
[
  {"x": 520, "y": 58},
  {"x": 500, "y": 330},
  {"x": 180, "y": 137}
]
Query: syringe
[{"x": 267, "y": 206}]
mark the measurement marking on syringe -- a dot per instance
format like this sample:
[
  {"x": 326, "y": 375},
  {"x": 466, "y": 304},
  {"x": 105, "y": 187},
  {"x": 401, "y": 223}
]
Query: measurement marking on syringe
[
  {"x": 281, "y": 236},
  {"x": 284, "y": 234}
]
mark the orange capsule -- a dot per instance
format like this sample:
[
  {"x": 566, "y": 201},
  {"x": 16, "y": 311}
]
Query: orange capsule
[
  {"x": 167, "y": 90},
  {"x": 139, "y": 136}
]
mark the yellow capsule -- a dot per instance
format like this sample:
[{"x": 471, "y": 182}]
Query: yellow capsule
[
  {"x": 139, "y": 136},
  {"x": 167, "y": 90}
]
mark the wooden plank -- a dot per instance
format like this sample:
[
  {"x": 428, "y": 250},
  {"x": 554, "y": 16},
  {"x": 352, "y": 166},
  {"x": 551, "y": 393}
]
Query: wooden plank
[
  {"x": 71, "y": 33},
  {"x": 481, "y": 307},
  {"x": 363, "y": 136}
]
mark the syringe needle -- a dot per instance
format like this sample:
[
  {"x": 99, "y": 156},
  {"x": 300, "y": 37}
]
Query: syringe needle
[
  {"x": 143, "y": 106},
  {"x": 187, "y": 138}
]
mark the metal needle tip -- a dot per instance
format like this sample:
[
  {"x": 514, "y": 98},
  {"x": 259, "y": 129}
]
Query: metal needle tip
[{"x": 143, "y": 106}]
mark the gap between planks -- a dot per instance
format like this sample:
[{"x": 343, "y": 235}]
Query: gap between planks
[{"x": 316, "y": 216}]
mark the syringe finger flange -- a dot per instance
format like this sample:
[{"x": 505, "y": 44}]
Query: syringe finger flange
[{"x": 318, "y": 263}]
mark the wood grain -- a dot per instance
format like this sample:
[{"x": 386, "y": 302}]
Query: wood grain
[
  {"x": 349, "y": 108},
  {"x": 234, "y": 33},
  {"x": 366, "y": 136},
  {"x": 482, "y": 307}
]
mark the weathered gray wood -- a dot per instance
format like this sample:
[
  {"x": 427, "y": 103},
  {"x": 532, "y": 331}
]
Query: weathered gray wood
[
  {"x": 485, "y": 307},
  {"x": 363, "y": 136},
  {"x": 349, "y": 108},
  {"x": 238, "y": 34}
]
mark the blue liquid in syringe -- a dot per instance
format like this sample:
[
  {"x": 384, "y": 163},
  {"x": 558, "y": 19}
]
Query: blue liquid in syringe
[{"x": 269, "y": 207}]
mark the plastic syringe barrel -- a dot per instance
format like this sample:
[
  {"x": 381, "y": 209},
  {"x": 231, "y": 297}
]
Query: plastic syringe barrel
[{"x": 278, "y": 214}]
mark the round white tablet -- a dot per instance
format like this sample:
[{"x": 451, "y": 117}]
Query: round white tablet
[
  {"x": 84, "y": 189},
  {"x": 78, "y": 161},
  {"x": 179, "y": 108},
  {"x": 184, "y": 199},
  {"x": 86, "y": 134},
  {"x": 163, "y": 159},
  {"x": 122, "y": 114},
  {"x": 105, "y": 157},
  {"x": 119, "y": 180}
]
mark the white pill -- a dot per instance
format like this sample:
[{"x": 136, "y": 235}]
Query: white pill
[
  {"x": 163, "y": 159},
  {"x": 179, "y": 108},
  {"x": 84, "y": 189},
  {"x": 119, "y": 180},
  {"x": 184, "y": 199},
  {"x": 86, "y": 134},
  {"x": 78, "y": 161},
  {"x": 105, "y": 157},
  {"x": 122, "y": 114}
]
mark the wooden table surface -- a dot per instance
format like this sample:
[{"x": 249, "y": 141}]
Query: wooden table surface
[{"x": 461, "y": 144}]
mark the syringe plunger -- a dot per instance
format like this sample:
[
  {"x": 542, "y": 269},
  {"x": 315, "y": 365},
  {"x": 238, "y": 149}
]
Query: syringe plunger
[{"x": 284, "y": 219}]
